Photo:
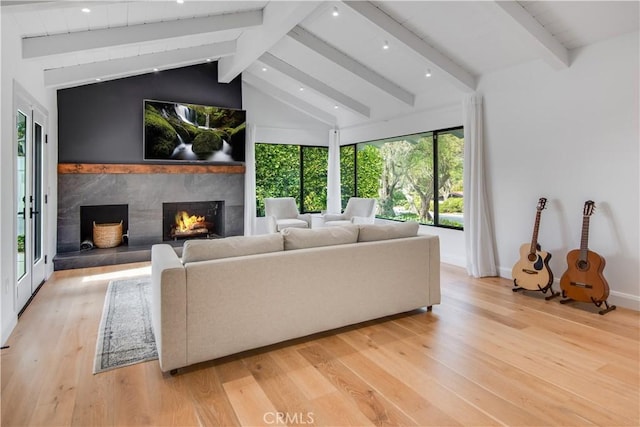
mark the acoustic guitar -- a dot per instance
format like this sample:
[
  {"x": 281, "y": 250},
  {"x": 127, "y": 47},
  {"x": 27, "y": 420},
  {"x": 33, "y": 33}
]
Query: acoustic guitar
[
  {"x": 583, "y": 281},
  {"x": 532, "y": 270}
]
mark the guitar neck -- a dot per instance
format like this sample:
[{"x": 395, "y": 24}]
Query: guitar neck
[
  {"x": 584, "y": 241},
  {"x": 534, "y": 238}
]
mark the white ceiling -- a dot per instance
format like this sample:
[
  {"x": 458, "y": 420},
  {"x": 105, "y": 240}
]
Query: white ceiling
[{"x": 331, "y": 67}]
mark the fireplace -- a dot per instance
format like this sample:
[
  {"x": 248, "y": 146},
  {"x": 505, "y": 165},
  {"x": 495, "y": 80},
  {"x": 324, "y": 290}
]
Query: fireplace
[
  {"x": 101, "y": 214},
  {"x": 192, "y": 220}
]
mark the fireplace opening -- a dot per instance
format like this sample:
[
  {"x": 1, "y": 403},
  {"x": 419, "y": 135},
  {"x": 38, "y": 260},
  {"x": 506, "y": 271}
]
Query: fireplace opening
[
  {"x": 192, "y": 220},
  {"x": 101, "y": 214}
]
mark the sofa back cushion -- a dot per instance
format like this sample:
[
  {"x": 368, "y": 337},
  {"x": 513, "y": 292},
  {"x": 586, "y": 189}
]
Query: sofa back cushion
[
  {"x": 300, "y": 238},
  {"x": 373, "y": 232},
  {"x": 202, "y": 250}
]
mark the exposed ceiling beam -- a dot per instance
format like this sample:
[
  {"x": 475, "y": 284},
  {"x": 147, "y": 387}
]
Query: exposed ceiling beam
[
  {"x": 459, "y": 76},
  {"x": 286, "y": 98},
  {"x": 315, "y": 84},
  {"x": 345, "y": 61},
  {"x": 29, "y": 5},
  {"x": 279, "y": 18},
  {"x": 116, "y": 68},
  {"x": 83, "y": 40},
  {"x": 552, "y": 51}
]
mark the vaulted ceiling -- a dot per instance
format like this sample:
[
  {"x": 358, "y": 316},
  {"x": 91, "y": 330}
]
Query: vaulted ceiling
[{"x": 344, "y": 63}]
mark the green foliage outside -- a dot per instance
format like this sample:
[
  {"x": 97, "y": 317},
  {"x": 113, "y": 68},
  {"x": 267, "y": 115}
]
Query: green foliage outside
[
  {"x": 398, "y": 172},
  {"x": 370, "y": 168},
  {"x": 21, "y": 243},
  {"x": 22, "y": 134},
  {"x": 452, "y": 205},
  {"x": 403, "y": 173},
  {"x": 347, "y": 173},
  {"x": 314, "y": 178},
  {"x": 277, "y": 173}
]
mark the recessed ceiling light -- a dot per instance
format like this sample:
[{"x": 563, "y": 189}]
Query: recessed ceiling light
[
  {"x": 208, "y": 59},
  {"x": 335, "y": 12},
  {"x": 86, "y": 10},
  {"x": 179, "y": 1},
  {"x": 155, "y": 69},
  {"x": 301, "y": 89},
  {"x": 98, "y": 79},
  {"x": 385, "y": 46},
  {"x": 428, "y": 73},
  {"x": 264, "y": 68},
  {"x": 335, "y": 107}
]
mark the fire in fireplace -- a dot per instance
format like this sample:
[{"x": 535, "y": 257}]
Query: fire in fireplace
[
  {"x": 189, "y": 225},
  {"x": 193, "y": 220}
]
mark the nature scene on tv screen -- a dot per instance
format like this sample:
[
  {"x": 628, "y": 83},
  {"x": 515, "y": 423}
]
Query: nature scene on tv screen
[{"x": 189, "y": 132}]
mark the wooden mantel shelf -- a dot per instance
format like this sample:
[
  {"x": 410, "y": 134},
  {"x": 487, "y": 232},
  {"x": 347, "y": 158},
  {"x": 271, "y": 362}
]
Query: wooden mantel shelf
[{"x": 79, "y": 168}]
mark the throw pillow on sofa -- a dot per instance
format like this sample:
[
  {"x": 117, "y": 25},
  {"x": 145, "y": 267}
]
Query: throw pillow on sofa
[
  {"x": 202, "y": 250},
  {"x": 373, "y": 232},
  {"x": 300, "y": 238}
]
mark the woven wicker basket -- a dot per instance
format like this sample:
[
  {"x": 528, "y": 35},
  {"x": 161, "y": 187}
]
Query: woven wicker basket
[{"x": 107, "y": 235}]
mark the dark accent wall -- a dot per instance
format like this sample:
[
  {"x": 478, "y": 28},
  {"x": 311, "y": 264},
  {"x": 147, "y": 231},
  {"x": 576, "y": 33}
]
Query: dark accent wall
[{"x": 102, "y": 122}]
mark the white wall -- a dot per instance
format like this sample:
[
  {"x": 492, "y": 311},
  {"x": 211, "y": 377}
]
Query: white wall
[
  {"x": 278, "y": 123},
  {"x": 29, "y": 77},
  {"x": 570, "y": 136}
]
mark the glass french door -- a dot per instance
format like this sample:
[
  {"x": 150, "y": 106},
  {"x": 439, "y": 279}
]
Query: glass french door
[{"x": 30, "y": 149}]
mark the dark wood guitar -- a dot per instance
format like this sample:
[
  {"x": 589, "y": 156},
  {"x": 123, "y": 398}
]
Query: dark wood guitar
[
  {"x": 583, "y": 281},
  {"x": 531, "y": 271}
]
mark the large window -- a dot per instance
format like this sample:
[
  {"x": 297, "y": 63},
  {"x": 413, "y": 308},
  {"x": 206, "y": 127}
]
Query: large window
[
  {"x": 414, "y": 177},
  {"x": 297, "y": 171}
]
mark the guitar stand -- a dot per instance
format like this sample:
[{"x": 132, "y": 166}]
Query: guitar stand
[
  {"x": 544, "y": 290},
  {"x": 596, "y": 303}
]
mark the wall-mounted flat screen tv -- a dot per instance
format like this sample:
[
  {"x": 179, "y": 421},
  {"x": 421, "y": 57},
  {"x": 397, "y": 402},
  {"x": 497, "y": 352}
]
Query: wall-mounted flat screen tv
[{"x": 183, "y": 132}]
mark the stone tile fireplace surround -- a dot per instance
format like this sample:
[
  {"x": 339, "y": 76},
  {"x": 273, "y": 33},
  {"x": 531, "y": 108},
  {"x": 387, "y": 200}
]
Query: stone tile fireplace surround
[{"x": 144, "y": 193}]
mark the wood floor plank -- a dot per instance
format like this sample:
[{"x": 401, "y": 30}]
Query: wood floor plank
[
  {"x": 251, "y": 405},
  {"x": 311, "y": 383},
  {"x": 449, "y": 401},
  {"x": 537, "y": 359},
  {"x": 485, "y": 356},
  {"x": 373, "y": 405},
  {"x": 514, "y": 384}
]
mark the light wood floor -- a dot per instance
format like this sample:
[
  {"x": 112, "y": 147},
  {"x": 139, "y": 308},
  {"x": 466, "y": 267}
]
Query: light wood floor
[{"x": 485, "y": 356}]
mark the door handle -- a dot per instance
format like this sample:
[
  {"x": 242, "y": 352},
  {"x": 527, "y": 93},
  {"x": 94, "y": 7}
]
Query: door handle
[{"x": 32, "y": 213}]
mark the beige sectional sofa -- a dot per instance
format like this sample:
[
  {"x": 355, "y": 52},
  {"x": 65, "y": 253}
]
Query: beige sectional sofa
[{"x": 229, "y": 295}]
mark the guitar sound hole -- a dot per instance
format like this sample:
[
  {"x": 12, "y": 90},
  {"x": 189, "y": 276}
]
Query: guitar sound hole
[
  {"x": 532, "y": 257},
  {"x": 582, "y": 265}
]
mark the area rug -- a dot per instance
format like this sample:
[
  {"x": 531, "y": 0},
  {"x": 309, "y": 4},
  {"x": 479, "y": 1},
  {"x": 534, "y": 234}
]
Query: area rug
[{"x": 125, "y": 336}]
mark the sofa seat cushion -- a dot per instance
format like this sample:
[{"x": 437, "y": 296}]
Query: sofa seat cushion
[
  {"x": 373, "y": 232},
  {"x": 296, "y": 238},
  {"x": 202, "y": 250},
  {"x": 291, "y": 223}
]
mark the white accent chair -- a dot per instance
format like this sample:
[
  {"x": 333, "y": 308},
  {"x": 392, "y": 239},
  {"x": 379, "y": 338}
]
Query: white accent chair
[
  {"x": 282, "y": 212},
  {"x": 358, "y": 211}
]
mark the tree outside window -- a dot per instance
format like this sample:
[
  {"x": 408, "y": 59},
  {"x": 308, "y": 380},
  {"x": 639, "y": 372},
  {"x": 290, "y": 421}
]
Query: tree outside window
[{"x": 415, "y": 177}]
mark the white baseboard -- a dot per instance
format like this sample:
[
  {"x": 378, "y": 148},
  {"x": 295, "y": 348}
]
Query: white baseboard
[
  {"x": 7, "y": 329},
  {"x": 620, "y": 299}
]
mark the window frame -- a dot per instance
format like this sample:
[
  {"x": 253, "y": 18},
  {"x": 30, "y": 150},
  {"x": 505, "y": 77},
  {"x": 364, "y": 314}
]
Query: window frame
[
  {"x": 434, "y": 134},
  {"x": 301, "y": 192}
]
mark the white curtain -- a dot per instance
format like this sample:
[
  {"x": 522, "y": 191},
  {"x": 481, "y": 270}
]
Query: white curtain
[
  {"x": 334, "y": 204},
  {"x": 250, "y": 183},
  {"x": 479, "y": 238}
]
